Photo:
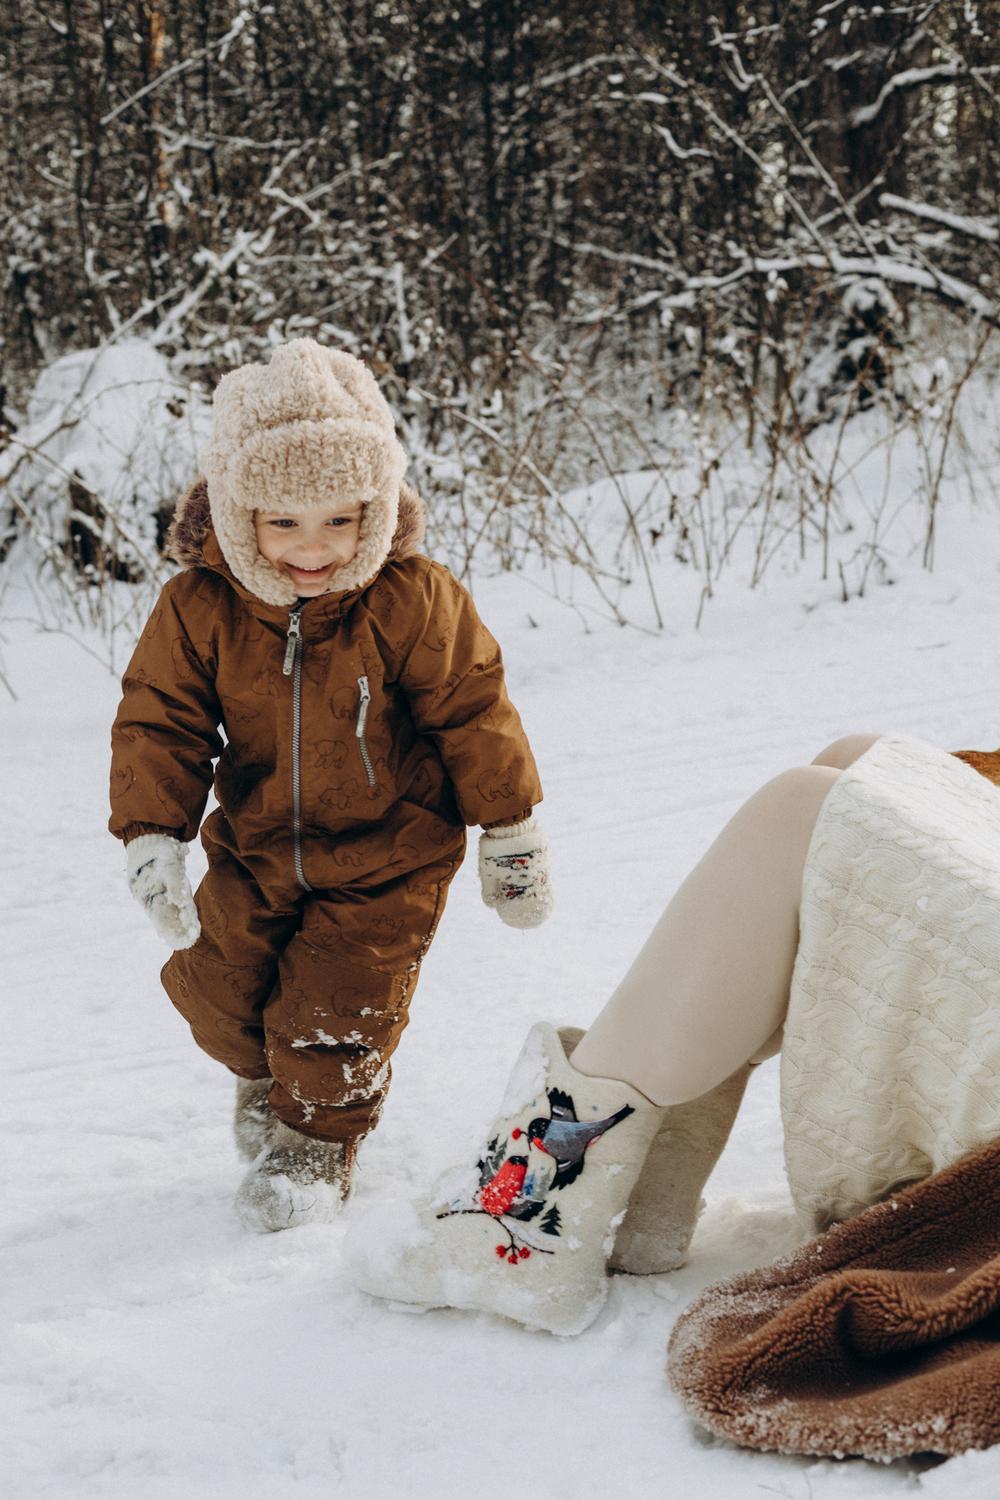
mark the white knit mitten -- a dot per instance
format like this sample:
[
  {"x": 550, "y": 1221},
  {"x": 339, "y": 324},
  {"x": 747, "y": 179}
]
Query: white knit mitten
[
  {"x": 154, "y": 864},
  {"x": 514, "y": 872}
]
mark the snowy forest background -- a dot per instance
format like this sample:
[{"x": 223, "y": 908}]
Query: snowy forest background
[{"x": 575, "y": 243}]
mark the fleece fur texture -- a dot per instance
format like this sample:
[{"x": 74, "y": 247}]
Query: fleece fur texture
[
  {"x": 311, "y": 428},
  {"x": 879, "y": 1339}
]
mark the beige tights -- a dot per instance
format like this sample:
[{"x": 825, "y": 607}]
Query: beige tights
[{"x": 709, "y": 989}]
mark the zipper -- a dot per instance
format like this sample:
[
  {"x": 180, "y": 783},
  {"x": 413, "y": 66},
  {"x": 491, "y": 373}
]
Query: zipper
[
  {"x": 294, "y": 639},
  {"x": 293, "y": 668},
  {"x": 366, "y": 698}
]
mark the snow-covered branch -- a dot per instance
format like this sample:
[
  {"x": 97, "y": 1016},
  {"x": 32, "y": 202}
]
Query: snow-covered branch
[
  {"x": 567, "y": 75},
  {"x": 912, "y": 78},
  {"x": 676, "y": 149},
  {"x": 620, "y": 257},
  {"x": 218, "y": 265},
  {"x": 221, "y": 45},
  {"x": 977, "y": 229},
  {"x": 895, "y": 271}
]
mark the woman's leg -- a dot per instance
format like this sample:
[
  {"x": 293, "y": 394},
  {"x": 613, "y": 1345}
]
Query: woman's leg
[
  {"x": 844, "y": 752},
  {"x": 709, "y": 990},
  {"x": 591, "y": 1156}
]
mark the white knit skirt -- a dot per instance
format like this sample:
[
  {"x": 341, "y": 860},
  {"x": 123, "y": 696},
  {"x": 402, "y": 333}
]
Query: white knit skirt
[{"x": 890, "y": 1065}]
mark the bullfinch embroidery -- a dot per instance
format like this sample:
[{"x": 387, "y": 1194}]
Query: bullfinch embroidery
[{"x": 518, "y": 1175}]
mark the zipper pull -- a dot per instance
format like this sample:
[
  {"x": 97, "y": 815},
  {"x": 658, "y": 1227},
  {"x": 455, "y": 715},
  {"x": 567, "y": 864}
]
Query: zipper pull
[
  {"x": 294, "y": 636},
  {"x": 366, "y": 698}
]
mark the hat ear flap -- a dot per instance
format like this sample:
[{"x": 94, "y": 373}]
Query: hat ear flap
[{"x": 311, "y": 428}]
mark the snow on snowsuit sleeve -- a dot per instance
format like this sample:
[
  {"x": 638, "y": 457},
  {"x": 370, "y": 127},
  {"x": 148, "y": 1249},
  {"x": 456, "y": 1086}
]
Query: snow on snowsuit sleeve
[
  {"x": 452, "y": 675},
  {"x": 165, "y": 736}
]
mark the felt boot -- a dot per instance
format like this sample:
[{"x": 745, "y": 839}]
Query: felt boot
[
  {"x": 666, "y": 1201},
  {"x": 253, "y": 1122},
  {"x": 297, "y": 1180},
  {"x": 525, "y": 1232}
]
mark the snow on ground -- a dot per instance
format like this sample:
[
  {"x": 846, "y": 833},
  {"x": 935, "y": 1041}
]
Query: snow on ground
[{"x": 158, "y": 1351}]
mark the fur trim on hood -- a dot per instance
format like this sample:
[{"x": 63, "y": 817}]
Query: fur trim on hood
[
  {"x": 192, "y": 524},
  {"x": 311, "y": 428}
]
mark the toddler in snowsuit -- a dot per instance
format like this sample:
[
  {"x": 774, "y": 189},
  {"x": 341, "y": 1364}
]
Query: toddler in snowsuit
[{"x": 365, "y": 722}]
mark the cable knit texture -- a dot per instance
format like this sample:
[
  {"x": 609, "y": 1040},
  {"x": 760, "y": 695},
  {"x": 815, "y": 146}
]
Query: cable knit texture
[
  {"x": 514, "y": 872},
  {"x": 890, "y": 1067},
  {"x": 154, "y": 867}
]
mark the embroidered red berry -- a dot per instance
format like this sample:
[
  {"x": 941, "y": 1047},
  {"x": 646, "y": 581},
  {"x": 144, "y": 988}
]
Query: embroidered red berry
[
  {"x": 501, "y": 1249},
  {"x": 516, "y": 1133},
  {"x": 524, "y": 1252}
]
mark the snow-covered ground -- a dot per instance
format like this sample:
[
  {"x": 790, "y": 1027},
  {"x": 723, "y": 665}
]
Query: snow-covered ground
[{"x": 155, "y": 1349}]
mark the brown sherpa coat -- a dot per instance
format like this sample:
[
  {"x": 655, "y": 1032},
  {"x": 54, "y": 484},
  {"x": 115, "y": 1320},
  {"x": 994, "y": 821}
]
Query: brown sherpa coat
[
  {"x": 879, "y": 1339},
  {"x": 438, "y": 745}
]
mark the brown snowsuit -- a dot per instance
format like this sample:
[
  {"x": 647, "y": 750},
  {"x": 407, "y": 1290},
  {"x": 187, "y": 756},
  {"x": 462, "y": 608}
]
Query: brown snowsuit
[{"x": 351, "y": 765}]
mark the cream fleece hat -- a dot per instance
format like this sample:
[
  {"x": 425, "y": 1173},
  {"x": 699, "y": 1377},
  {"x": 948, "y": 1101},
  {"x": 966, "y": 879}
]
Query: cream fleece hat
[{"x": 311, "y": 428}]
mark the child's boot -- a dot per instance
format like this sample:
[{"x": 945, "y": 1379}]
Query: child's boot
[
  {"x": 527, "y": 1231},
  {"x": 298, "y": 1180},
  {"x": 253, "y": 1122},
  {"x": 666, "y": 1201}
]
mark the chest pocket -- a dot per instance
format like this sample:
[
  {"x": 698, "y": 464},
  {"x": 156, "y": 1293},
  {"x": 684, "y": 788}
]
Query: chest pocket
[
  {"x": 371, "y": 720},
  {"x": 349, "y": 757}
]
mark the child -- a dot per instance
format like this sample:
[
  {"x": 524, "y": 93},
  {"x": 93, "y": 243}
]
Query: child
[{"x": 366, "y": 723}]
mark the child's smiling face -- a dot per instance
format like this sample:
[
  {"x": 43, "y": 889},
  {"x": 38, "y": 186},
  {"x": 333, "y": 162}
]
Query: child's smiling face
[{"x": 308, "y": 546}]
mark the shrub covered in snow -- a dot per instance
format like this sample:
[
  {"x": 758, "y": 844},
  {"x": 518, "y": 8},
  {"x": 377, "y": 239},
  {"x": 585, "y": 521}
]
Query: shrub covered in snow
[{"x": 109, "y": 437}]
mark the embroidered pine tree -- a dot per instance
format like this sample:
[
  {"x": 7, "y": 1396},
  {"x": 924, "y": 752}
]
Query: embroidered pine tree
[{"x": 551, "y": 1222}]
